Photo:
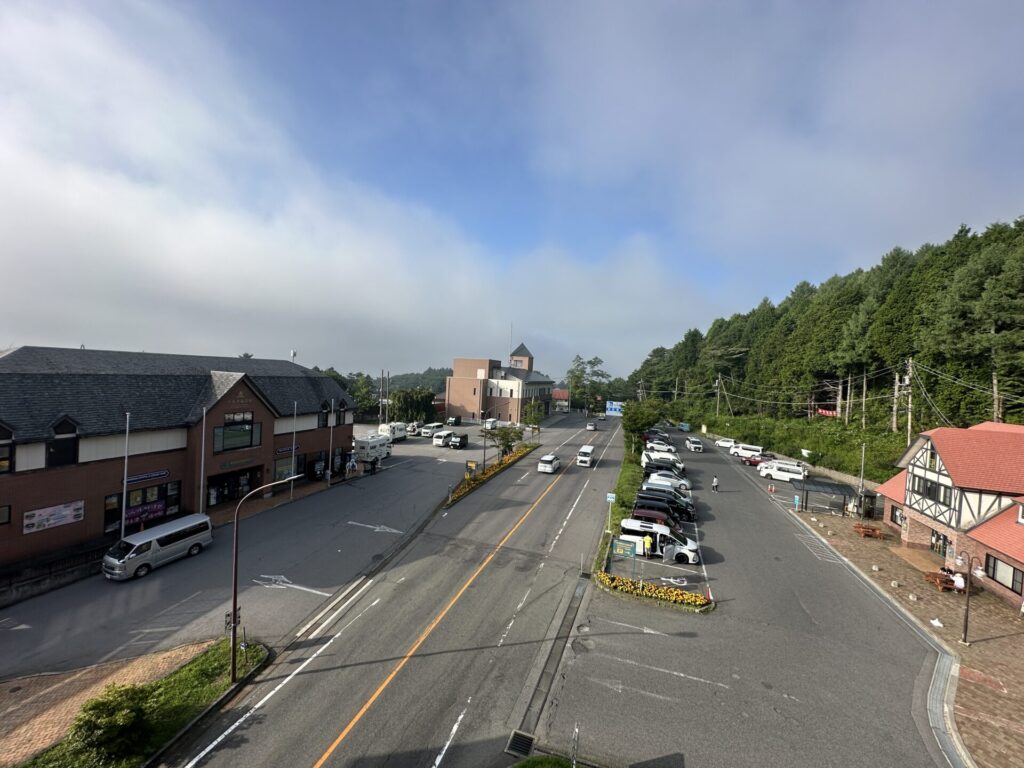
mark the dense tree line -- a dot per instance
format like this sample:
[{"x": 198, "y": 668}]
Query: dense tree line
[{"x": 955, "y": 309}]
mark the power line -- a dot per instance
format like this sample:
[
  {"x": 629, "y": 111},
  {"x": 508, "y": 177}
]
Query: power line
[
  {"x": 967, "y": 384},
  {"x": 930, "y": 402}
]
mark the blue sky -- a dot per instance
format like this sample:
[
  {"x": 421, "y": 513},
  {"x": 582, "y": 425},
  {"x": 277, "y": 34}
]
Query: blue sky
[{"x": 390, "y": 185}]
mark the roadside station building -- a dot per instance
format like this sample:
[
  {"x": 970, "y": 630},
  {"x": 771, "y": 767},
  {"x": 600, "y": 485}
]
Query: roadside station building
[
  {"x": 482, "y": 388},
  {"x": 201, "y": 432},
  {"x": 962, "y": 491}
]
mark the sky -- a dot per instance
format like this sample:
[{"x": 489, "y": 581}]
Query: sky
[{"x": 391, "y": 185}]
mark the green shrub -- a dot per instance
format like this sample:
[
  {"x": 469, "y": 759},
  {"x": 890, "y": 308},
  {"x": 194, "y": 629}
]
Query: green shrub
[{"x": 113, "y": 724}]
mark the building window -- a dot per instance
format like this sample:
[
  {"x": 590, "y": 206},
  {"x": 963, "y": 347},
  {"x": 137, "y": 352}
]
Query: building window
[
  {"x": 939, "y": 543},
  {"x": 896, "y": 515},
  {"x": 321, "y": 419},
  {"x": 1005, "y": 574},
  {"x": 5, "y": 514},
  {"x": 929, "y": 489},
  {"x": 6, "y": 458},
  {"x": 239, "y": 431},
  {"x": 112, "y": 513},
  {"x": 62, "y": 451},
  {"x": 474, "y": 390}
]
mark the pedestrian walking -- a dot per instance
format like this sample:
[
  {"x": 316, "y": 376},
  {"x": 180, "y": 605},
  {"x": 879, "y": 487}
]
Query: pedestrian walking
[{"x": 714, "y": 484}]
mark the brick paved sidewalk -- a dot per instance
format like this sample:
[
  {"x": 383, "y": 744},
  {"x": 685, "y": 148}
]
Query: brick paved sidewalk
[
  {"x": 36, "y": 712},
  {"x": 989, "y": 704}
]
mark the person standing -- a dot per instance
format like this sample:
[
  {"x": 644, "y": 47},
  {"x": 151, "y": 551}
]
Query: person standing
[
  {"x": 714, "y": 484},
  {"x": 648, "y": 544}
]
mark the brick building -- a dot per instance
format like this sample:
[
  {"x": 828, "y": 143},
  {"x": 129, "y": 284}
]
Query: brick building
[
  {"x": 202, "y": 431},
  {"x": 482, "y": 388},
  {"x": 962, "y": 492}
]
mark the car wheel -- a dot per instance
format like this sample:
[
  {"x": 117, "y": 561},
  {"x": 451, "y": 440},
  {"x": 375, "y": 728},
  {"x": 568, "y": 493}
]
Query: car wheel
[
  {"x": 768, "y": 476},
  {"x": 195, "y": 549},
  {"x": 141, "y": 571}
]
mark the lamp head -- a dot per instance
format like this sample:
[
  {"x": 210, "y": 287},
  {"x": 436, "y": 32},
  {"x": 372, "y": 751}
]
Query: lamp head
[{"x": 959, "y": 561}]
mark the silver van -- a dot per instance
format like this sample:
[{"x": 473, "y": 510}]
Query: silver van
[{"x": 136, "y": 555}]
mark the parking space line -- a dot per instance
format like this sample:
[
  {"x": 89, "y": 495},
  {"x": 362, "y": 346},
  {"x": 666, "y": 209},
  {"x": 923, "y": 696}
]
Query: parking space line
[{"x": 666, "y": 671}]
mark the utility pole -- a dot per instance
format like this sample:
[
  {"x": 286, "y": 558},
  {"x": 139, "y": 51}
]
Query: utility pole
[
  {"x": 864, "y": 402},
  {"x": 849, "y": 397},
  {"x": 996, "y": 415},
  {"x": 910, "y": 396},
  {"x": 839, "y": 398},
  {"x": 675, "y": 393},
  {"x": 718, "y": 395},
  {"x": 895, "y": 397}
]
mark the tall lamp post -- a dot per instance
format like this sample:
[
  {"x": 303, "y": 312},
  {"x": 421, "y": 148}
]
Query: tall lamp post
[
  {"x": 962, "y": 558},
  {"x": 234, "y": 573}
]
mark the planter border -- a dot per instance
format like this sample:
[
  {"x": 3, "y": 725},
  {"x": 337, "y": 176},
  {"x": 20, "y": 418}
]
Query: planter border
[
  {"x": 530, "y": 449},
  {"x": 664, "y": 603}
]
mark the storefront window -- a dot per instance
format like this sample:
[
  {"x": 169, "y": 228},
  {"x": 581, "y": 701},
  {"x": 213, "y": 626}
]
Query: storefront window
[
  {"x": 939, "y": 543},
  {"x": 6, "y": 458}
]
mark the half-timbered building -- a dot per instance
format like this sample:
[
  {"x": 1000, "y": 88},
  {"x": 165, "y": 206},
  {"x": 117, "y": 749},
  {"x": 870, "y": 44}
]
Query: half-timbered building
[{"x": 960, "y": 493}]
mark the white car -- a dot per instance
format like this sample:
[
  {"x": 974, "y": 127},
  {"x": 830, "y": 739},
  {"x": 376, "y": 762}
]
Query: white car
[
  {"x": 695, "y": 445},
  {"x": 725, "y": 442},
  {"x": 661, "y": 445},
  {"x": 671, "y": 480},
  {"x": 591, "y": 426},
  {"x": 549, "y": 463}
]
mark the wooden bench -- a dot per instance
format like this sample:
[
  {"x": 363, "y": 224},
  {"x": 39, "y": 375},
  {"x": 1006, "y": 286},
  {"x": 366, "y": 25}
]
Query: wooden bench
[
  {"x": 943, "y": 582},
  {"x": 868, "y": 530}
]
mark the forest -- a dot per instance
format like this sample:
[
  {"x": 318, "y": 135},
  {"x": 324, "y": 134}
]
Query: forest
[{"x": 932, "y": 337}]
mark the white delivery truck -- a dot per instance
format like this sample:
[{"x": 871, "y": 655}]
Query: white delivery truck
[
  {"x": 371, "y": 447},
  {"x": 395, "y": 430}
]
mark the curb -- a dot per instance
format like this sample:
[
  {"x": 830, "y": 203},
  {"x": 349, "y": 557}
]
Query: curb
[
  {"x": 230, "y": 693},
  {"x": 942, "y": 688}
]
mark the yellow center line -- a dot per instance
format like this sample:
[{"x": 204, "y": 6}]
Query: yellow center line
[{"x": 430, "y": 628}]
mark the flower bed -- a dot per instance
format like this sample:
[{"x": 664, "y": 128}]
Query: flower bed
[
  {"x": 673, "y": 595},
  {"x": 470, "y": 484}
]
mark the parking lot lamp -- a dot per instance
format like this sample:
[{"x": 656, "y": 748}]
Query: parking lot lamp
[
  {"x": 234, "y": 573},
  {"x": 962, "y": 558}
]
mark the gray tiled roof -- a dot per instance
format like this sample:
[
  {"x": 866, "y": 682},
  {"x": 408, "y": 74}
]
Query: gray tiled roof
[
  {"x": 94, "y": 388},
  {"x": 530, "y": 377},
  {"x": 521, "y": 351}
]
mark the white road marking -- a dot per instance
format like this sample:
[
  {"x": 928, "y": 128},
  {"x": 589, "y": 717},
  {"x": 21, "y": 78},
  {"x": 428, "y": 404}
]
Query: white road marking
[
  {"x": 618, "y": 687},
  {"x": 515, "y": 613},
  {"x": 282, "y": 582},
  {"x": 375, "y": 528},
  {"x": 334, "y": 616},
  {"x": 525, "y": 475},
  {"x": 668, "y": 565},
  {"x": 234, "y": 726},
  {"x": 645, "y": 630},
  {"x": 564, "y": 522},
  {"x": 666, "y": 671},
  {"x": 451, "y": 736},
  {"x": 819, "y": 549},
  {"x": 333, "y": 603}
]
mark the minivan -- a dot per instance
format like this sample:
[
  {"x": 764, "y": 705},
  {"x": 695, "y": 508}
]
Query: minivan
[
  {"x": 136, "y": 555},
  {"x": 442, "y": 438},
  {"x": 775, "y": 471},
  {"x": 664, "y": 543},
  {"x": 658, "y": 518},
  {"x": 549, "y": 463},
  {"x": 585, "y": 456},
  {"x": 428, "y": 430},
  {"x": 745, "y": 451}
]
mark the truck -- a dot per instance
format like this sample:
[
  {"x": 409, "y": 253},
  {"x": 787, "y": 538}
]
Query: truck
[
  {"x": 371, "y": 447},
  {"x": 396, "y": 431}
]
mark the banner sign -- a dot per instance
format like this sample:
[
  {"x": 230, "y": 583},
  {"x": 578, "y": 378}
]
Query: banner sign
[
  {"x": 148, "y": 476},
  {"x": 149, "y": 511},
  {"x": 50, "y": 517}
]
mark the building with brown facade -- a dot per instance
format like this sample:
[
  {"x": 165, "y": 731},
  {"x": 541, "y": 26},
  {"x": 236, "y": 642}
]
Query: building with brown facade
[
  {"x": 190, "y": 433},
  {"x": 962, "y": 493},
  {"x": 482, "y": 388}
]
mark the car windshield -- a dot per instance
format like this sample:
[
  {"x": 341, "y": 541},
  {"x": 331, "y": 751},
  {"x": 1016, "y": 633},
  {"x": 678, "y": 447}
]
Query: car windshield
[{"x": 120, "y": 550}]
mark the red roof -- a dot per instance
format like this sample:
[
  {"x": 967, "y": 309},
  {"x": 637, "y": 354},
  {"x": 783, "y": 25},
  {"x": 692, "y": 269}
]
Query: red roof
[
  {"x": 894, "y": 488},
  {"x": 988, "y": 457},
  {"x": 1002, "y": 533}
]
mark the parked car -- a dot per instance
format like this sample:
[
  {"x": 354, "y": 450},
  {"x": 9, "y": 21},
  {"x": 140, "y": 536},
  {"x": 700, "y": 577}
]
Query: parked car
[
  {"x": 665, "y": 496},
  {"x": 683, "y": 426},
  {"x": 725, "y": 442},
  {"x": 459, "y": 441},
  {"x": 772, "y": 470},
  {"x": 591, "y": 426},
  {"x": 412, "y": 429},
  {"x": 694, "y": 444},
  {"x": 549, "y": 463},
  {"x": 753, "y": 461},
  {"x": 677, "y": 513},
  {"x": 454, "y": 421},
  {"x": 600, "y": 417},
  {"x": 664, "y": 544},
  {"x": 670, "y": 479},
  {"x": 668, "y": 471},
  {"x": 661, "y": 445}
]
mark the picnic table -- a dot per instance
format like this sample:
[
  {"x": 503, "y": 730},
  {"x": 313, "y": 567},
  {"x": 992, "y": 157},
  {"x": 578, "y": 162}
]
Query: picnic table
[
  {"x": 868, "y": 530},
  {"x": 943, "y": 582}
]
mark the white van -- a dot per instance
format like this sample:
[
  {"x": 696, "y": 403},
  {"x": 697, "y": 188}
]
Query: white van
[
  {"x": 396, "y": 430},
  {"x": 585, "y": 456},
  {"x": 442, "y": 438},
  {"x": 775, "y": 471},
  {"x": 428, "y": 430},
  {"x": 490, "y": 423},
  {"x": 136, "y": 555},
  {"x": 745, "y": 451},
  {"x": 664, "y": 543},
  {"x": 549, "y": 463}
]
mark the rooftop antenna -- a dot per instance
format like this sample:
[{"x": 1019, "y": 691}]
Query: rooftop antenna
[{"x": 293, "y": 355}]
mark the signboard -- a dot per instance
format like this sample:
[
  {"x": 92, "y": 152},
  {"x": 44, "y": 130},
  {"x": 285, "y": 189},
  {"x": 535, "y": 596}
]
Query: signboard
[
  {"x": 143, "y": 512},
  {"x": 148, "y": 476},
  {"x": 610, "y": 498},
  {"x": 613, "y": 408},
  {"x": 288, "y": 448},
  {"x": 51, "y": 517},
  {"x": 622, "y": 548},
  {"x": 470, "y": 468}
]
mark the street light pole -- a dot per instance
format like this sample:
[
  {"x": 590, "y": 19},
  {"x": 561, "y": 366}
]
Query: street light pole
[
  {"x": 970, "y": 560},
  {"x": 234, "y": 574}
]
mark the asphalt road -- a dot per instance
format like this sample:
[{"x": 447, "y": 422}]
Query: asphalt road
[{"x": 800, "y": 665}]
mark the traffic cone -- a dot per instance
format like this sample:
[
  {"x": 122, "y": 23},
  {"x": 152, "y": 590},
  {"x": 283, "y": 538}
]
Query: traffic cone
[{"x": 771, "y": 487}]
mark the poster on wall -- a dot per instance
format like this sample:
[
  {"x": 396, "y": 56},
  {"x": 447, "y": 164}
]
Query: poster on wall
[{"x": 51, "y": 517}]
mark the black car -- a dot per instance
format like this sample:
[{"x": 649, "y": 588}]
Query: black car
[
  {"x": 668, "y": 495},
  {"x": 664, "y": 465},
  {"x": 678, "y": 515},
  {"x": 459, "y": 441},
  {"x": 682, "y": 506}
]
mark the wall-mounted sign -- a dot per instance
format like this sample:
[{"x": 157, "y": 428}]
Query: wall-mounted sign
[
  {"x": 51, "y": 517},
  {"x": 155, "y": 475},
  {"x": 143, "y": 512},
  {"x": 239, "y": 463},
  {"x": 287, "y": 449}
]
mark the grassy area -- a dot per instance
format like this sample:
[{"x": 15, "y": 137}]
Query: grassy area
[
  {"x": 543, "y": 761},
  {"x": 125, "y": 725}
]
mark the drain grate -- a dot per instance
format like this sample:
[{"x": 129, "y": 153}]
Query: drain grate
[{"x": 520, "y": 744}]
